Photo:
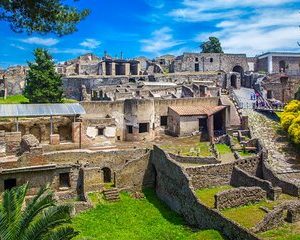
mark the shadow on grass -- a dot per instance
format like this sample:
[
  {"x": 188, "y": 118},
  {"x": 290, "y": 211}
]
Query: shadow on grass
[
  {"x": 168, "y": 213},
  {"x": 163, "y": 208}
]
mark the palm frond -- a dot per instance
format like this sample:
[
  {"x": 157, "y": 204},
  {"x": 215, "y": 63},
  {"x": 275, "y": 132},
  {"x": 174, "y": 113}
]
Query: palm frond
[{"x": 63, "y": 233}]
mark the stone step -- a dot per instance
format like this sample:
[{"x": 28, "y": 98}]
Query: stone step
[{"x": 111, "y": 194}]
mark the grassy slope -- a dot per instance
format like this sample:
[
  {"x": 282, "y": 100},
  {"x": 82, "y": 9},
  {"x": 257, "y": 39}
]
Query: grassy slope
[
  {"x": 133, "y": 219},
  {"x": 21, "y": 99},
  {"x": 223, "y": 149}
]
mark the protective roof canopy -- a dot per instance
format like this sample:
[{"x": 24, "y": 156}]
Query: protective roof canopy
[{"x": 41, "y": 110}]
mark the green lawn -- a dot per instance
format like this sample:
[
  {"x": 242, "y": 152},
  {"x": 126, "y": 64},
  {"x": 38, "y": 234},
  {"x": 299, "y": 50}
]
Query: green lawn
[
  {"x": 14, "y": 99},
  {"x": 241, "y": 214},
  {"x": 223, "y": 149},
  {"x": 286, "y": 232},
  {"x": 133, "y": 219},
  {"x": 201, "y": 149},
  {"x": 21, "y": 99},
  {"x": 246, "y": 153},
  {"x": 207, "y": 195}
]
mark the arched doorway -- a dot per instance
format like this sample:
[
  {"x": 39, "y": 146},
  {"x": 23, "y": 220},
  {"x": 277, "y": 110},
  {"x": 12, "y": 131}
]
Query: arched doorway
[
  {"x": 233, "y": 80},
  {"x": 106, "y": 173},
  {"x": 36, "y": 131},
  {"x": 239, "y": 69},
  {"x": 282, "y": 66}
]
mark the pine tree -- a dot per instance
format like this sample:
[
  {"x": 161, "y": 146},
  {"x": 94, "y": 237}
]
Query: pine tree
[
  {"x": 213, "y": 45},
  {"x": 43, "y": 84}
]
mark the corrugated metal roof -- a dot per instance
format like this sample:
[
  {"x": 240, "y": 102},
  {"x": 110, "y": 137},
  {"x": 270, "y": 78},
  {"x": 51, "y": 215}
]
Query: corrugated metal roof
[
  {"x": 196, "y": 110},
  {"x": 40, "y": 110}
]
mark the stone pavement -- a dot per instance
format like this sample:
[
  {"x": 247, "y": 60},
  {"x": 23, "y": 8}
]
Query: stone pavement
[{"x": 283, "y": 157}]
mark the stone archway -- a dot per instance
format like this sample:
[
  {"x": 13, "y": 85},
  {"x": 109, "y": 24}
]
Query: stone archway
[
  {"x": 239, "y": 69},
  {"x": 106, "y": 173},
  {"x": 35, "y": 130}
]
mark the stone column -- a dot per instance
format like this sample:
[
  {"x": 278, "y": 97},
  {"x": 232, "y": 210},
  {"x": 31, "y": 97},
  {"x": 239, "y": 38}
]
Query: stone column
[
  {"x": 270, "y": 64},
  {"x": 210, "y": 126},
  {"x": 113, "y": 69},
  {"x": 103, "y": 68},
  {"x": 127, "y": 69}
]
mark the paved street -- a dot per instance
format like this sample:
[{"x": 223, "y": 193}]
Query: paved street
[{"x": 282, "y": 155}]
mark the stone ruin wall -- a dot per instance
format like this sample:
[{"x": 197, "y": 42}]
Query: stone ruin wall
[
  {"x": 129, "y": 169},
  {"x": 239, "y": 197},
  {"x": 173, "y": 186}
]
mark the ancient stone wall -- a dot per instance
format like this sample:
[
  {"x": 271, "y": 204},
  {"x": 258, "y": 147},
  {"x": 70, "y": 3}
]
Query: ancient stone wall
[
  {"x": 241, "y": 178},
  {"x": 174, "y": 188},
  {"x": 238, "y": 197},
  {"x": 197, "y": 160},
  {"x": 202, "y": 62},
  {"x": 217, "y": 174},
  {"x": 286, "y": 186}
]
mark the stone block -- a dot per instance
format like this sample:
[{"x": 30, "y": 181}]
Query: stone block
[{"x": 54, "y": 139}]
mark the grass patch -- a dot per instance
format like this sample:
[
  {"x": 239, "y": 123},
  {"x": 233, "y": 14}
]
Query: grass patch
[
  {"x": 207, "y": 195},
  {"x": 286, "y": 232},
  {"x": 147, "y": 218},
  {"x": 241, "y": 214},
  {"x": 245, "y": 153},
  {"x": 193, "y": 150},
  {"x": 15, "y": 99},
  {"x": 223, "y": 149}
]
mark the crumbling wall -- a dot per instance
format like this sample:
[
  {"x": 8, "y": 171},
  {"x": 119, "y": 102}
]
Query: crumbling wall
[
  {"x": 239, "y": 197},
  {"x": 174, "y": 188}
]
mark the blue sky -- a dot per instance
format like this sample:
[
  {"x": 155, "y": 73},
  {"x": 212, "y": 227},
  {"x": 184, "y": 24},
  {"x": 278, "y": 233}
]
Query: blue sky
[{"x": 155, "y": 27}]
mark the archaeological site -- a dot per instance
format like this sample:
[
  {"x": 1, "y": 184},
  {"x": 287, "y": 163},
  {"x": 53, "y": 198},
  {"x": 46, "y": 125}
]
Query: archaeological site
[{"x": 165, "y": 142}]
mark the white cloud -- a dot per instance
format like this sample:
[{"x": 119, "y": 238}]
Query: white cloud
[
  {"x": 161, "y": 39},
  {"x": 266, "y": 30},
  {"x": 40, "y": 41},
  {"x": 207, "y": 10},
  {"x": 17, "y": 46},
  {"x": 90, "y": 43},
  {"x": 73, "y": 51}
]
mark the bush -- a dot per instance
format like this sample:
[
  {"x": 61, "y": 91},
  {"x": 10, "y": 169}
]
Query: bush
[
  {"x": 294, "y": 130},
  {"x": 290, "y": 120}
]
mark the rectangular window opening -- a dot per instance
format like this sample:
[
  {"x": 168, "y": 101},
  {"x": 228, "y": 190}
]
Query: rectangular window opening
[
  {"x": 64, "y": 180},
  {"x": 163, "y": 120},
  {"x": 130, "y": 129},
  {"x": 143, "y": 127},
  {"x": 10, "y": 183},
  {"x": 100, "y": 131}
]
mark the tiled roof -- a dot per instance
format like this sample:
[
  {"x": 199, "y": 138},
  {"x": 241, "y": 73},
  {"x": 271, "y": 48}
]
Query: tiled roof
[{"x": 196, "y": 110}]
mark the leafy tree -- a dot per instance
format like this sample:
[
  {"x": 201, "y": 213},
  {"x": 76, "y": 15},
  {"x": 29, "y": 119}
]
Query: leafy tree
[
  {"x": 42, "y": 16},
  {"x": 43, "y": 84},
  {"x": 41, "y": 219},
  {"x": 213, "y": 45}
]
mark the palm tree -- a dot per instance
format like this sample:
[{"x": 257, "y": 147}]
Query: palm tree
[{"x": 40, "y": 219}]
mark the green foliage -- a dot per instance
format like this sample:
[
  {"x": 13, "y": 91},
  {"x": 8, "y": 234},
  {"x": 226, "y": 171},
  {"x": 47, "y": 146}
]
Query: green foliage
[
  {"x": 148, "y": 218},
  {"x": 41, "y": 218},
  {"x": 290, "y": 120},
  {"x": 14, "y": 99},
  {"x": 43, "y": 84},
  {"x": 213, "y": 45},
  {"x": 42, "y": 16}
]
